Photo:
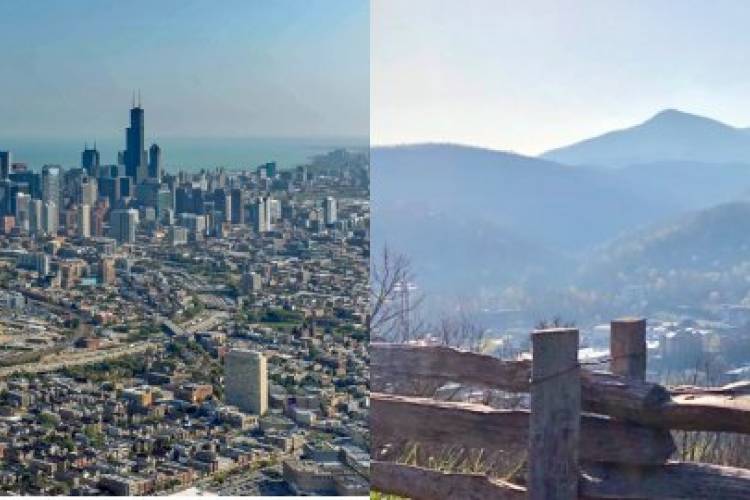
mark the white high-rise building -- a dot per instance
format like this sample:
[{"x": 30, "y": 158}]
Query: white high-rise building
[
  {"x": 246, "y": 380},
  {"x": 275, "y": 211},
  {"x": 329, "y": 211},
  {"x": 256, "y": 213},
  {"x": 123, "y": 223},
  {"x": 88, "y": 191},
  {"x": 36, "y": 220},
  {"x": 50, "y": 218},
  {"x": 178, "y": 235},
  {"x": 267, "y": 211},
  {"x": 51, "y": 184},
  {"x": 262, "y": 214},
  {"x": 84, "y": 221},
  {"x": 23, "y": 211}
]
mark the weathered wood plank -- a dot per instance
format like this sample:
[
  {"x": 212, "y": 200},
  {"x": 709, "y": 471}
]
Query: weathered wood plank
[
  {"x": 674, "y": 480},
  {"x": 555, "y": 418},
  {"x": 669, "y": 481},
  {"x": 701, "y": 413},
  {"x": 603, "y": 392},
  {"x": 395, "y": 418},
  {"x": 425, "y": 484},
  {"x": 390, "y": 362},
  {"x": 393, "y": 362},
  {"x": 724, "y": 409}
]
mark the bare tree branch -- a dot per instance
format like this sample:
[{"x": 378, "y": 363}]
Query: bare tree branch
[{"x": 392, "y": 306}]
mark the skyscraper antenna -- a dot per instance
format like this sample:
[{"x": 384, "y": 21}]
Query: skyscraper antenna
[
  {"x": 133, "y": 101},
  {"x": 139, "y": 98}
]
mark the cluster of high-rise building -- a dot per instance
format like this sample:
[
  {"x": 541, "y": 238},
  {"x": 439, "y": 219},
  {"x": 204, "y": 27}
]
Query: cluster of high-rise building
[
  {"x": 84, "y": 201},
  {"x": 99, "y": 199}
]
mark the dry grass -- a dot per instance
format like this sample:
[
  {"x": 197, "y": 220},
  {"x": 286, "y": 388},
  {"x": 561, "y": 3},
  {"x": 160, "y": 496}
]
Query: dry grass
[
  {"x": 376, "y": 495},
  {"x": 508, "y": 465},
  {"x": 719, "y": 448}
]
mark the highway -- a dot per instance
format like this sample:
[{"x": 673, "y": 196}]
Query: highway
[
  {"x": 69, "y": 358},
  {"x": 206, "y": 321}
]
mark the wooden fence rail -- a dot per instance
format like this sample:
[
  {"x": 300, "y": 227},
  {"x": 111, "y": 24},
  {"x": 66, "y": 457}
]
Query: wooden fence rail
[
  {"x": 673, "y": 480},
  {"x": 476, "y": 426},
  {"x": 419, "y": 483},
  {"x": 618, "y": 448},
  {"x": 723, "y": 409},
  {"x": 670, "y": 480}
]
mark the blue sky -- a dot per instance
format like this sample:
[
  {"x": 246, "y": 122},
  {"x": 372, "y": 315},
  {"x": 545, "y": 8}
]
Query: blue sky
[
  {"x": 229, "y": 68},
  {"x": 529, "y": 76}
]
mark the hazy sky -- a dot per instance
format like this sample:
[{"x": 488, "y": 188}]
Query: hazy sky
[
  {"x": 529, "y": 76},
  {"x": 205, "y": 68}
]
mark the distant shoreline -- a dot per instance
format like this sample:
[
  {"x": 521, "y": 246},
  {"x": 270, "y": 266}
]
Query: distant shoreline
[{"x": 185, "y": 153}]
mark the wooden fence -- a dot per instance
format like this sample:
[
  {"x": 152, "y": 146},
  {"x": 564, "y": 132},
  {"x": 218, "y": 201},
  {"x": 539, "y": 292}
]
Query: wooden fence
[{"x": 589, "y": 434}]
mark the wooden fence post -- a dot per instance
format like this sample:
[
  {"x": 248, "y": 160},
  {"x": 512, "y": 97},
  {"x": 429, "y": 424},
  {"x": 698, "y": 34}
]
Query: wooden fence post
[
  {"x": 627, "y": 347},
  {"x": 555, "y": 415}
]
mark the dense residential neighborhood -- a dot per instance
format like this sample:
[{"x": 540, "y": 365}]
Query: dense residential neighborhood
[{"x": 125, "y": 290}]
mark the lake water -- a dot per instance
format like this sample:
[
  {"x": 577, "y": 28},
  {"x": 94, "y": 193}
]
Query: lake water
[{"x": 190, "y": 154}]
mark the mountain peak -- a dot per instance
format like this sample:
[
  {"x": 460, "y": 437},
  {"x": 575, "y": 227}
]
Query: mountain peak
[
  {"x": 669, "y": 135},
  {"x": 670, "y": 112},
  {"x": 672, "y": 116}
]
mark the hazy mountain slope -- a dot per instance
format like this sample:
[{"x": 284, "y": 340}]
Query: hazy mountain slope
[
  {"x": 688, "y": 185},
  {"x": 669, "y": 135},
  {"x": 458, "y": 256},
  {"x": 563, "y": 208},
  {"x": 476, "y": 222},
  {"x": 707, "y": 245}
]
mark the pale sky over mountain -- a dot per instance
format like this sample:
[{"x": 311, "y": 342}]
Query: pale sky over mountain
[{"x": 530, "y": 76}]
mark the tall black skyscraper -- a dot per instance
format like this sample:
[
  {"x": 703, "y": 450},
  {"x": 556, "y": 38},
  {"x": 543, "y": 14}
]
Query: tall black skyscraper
[
  {"x": 135, "y": 152},
  {"x": 90, "y": 161},
  {"x": 238, "y": 206},
  {"x": 184, "y": 200},
  {"x": 31, "y": 179},
  {"x": 223, "y": 201},
  {"x": 154, "y": 162},
  {"x": 5, "y": 164},
  {"x": 5, "y": 197}
]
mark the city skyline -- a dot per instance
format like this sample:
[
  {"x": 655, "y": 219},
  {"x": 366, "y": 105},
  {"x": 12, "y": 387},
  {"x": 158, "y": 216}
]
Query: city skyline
[
  {"x": 199, "y": 153},
  {"x": 138, "y": 162}
]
